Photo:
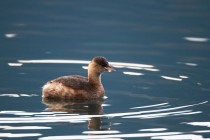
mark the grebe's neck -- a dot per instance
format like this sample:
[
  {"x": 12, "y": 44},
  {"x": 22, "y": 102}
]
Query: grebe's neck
[{"x": 94, "y": 76}]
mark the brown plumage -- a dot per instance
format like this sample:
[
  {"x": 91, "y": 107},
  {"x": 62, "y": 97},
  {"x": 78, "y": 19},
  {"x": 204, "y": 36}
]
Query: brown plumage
[{"x": 79, "y": 87}]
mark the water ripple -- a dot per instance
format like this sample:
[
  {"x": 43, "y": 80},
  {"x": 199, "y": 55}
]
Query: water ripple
[
  {"x": 23, "y": 117},
  {"x": 196, "y": 39},
  {"x": 135, "y": 66},
  {"x": 18, "y": 95},
  {"x": 139, "y": 68},
  {"x": 24, "y": 127},
  {"x": 19, "y": 135},
  {"x": 76, "y": 118},
  {"x": 159, "y": 135}
]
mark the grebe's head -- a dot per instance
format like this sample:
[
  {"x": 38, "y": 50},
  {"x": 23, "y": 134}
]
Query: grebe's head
[{"x": 100, "y": 64}]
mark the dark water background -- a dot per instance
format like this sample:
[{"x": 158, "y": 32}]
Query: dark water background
[{"x": 173, "y": 90}]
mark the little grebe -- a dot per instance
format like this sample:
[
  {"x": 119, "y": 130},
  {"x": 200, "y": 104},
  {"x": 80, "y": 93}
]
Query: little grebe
[{"x": 79, "y": 87}]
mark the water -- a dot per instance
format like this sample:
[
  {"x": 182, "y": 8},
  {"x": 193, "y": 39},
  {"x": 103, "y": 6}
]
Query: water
[{"x": 160, "y": 50}]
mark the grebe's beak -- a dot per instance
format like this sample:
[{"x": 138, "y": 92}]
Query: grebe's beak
[{"x": 109, "y": 69}]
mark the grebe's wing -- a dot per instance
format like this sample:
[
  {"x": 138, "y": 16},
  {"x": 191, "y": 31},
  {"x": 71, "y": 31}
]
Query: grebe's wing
[{"x": 75, "y": 82}]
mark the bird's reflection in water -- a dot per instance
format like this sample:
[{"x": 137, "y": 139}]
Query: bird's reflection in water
[{"x": 93, "y": 107}]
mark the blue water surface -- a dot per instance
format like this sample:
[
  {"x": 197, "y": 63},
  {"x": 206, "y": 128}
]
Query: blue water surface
[{"x": 160, "y": 49}]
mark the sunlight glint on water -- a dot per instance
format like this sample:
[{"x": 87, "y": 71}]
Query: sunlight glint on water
[
  {"x": 150, "y": 111},
  {"x": 160, "y": 50},
  {"x": 56, "y": 117}
]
